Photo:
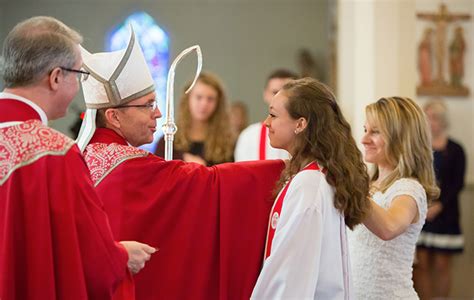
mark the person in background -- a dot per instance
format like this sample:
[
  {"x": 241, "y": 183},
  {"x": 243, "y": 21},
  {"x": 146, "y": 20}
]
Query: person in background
[
  {"x": 204, "y": 133},
  {"x": 441, "y": 236},
  {"x": 239, "y": 117}
]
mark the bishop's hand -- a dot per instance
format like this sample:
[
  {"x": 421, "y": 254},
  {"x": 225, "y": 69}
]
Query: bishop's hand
[{"x": 138, "y": 254}]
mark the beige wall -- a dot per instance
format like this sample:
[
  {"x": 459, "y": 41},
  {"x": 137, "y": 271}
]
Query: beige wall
[
  {"x": 242, "y": 40},
  {"x": 373, "y": 59}
]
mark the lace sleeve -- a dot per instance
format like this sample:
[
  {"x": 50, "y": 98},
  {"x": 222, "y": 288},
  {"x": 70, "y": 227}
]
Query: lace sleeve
[{"x": 411, "y": 187}]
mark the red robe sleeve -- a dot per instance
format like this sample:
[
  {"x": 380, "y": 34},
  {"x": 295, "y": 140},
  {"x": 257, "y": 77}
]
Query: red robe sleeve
[
  {"x": 246, "y": 200},
  {"x": 209, "y": 223},
  {"x": 55, "y": 240}
]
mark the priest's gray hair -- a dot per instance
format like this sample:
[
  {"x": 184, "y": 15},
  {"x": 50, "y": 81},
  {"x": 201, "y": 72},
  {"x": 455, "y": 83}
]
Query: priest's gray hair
[{"x": 36, "y": 46}]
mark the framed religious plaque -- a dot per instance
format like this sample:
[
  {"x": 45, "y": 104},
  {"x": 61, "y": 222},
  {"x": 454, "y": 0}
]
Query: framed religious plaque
[{"x": 441, "y": 62}]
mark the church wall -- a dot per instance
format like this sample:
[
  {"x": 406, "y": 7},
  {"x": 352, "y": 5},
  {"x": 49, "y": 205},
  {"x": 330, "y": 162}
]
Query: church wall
[
  {"x": 242, "y": 40},
  {"x": 356, "y": 65}
]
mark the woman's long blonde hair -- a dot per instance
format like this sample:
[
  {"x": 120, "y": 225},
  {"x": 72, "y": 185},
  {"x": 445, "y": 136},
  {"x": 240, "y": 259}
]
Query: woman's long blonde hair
[
  {"x": 219, "y": 142},
  {"x": 407, "y": 138},
  {"x": 328, "y": 140}
]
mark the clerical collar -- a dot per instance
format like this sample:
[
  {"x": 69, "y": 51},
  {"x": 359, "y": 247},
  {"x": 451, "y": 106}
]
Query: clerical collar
[{"x": 41, "y": 113}]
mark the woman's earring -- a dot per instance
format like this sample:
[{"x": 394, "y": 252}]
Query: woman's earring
[{"x": 296, "y": 131}]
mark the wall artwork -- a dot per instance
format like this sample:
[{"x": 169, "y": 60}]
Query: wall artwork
[{"x": 440, "y": 61}]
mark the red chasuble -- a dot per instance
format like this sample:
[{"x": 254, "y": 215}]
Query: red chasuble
[
  {"x": 55, "y": 240},
  {"x": 209, "y": 223}
]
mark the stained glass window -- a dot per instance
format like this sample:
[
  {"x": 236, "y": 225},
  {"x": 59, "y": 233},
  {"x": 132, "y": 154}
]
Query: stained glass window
[{"x": 155, "y": 45}]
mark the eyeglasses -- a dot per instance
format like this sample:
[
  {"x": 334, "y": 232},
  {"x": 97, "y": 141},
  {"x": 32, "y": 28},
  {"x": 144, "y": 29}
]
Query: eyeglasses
[
  {"x": 81, "y": 75},
  {"x": 152, "y": 106}
]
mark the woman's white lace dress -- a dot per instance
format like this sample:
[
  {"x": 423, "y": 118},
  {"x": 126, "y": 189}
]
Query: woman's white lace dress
[{"x": 383, "y": 269}]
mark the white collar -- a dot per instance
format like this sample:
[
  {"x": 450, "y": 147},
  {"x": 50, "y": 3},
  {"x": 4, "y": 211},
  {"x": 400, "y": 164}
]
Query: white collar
[{"x": 42, "y": 114}]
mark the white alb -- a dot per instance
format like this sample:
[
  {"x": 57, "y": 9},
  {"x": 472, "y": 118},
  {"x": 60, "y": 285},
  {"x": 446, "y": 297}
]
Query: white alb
[{"x": 309, "y": 254}]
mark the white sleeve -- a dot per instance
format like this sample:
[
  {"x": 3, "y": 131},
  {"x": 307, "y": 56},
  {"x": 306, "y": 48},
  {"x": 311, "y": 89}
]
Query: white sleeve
[
  {"x": 240, "y": 147},
  {"x": 291, "y": 271},
  {"x": 247, "y": 145}
]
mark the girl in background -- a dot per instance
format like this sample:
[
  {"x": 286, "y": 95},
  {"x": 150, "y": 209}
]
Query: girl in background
[{"x": 204, "y": 135}]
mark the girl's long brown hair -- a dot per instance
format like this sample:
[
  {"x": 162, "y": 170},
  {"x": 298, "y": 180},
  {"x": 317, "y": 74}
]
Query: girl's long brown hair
[
  {"x": 219, "y": 142},
  {"x": 327, "y": 139}
]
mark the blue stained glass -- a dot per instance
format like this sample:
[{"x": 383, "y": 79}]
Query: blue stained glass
[{"x": 154, "y": 42}]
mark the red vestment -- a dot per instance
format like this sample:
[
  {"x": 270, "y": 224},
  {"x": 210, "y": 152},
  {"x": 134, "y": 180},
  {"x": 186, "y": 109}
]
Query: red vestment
[
  {"x": 208, "y": 222},
  {"x": 55, "y": 240}
]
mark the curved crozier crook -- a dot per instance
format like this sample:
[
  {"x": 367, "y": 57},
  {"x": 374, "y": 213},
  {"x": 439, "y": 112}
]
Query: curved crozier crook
[
  {"x": 169, "y": 127},
  {"x": 198, "y": 68}
]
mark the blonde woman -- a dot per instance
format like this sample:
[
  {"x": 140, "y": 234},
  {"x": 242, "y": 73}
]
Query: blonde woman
[
  {"x": 398, "y": 142},
  {"x": 204, "y": 135}
]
